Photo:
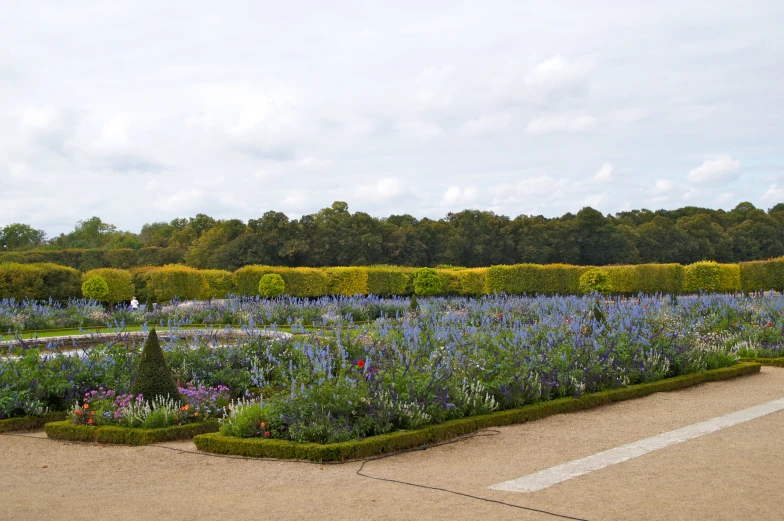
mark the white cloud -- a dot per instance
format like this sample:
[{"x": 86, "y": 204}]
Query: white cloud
[
  {"x": 385, "y": 189},
  {"x": 774, "y": 194},
  {"x": 594, "y": 201},
  {"x": 725, "y": 197},
  {"x": 604, "y": 174},
  {"x": 560, "y": 123},
  {"x": 662, "y": 186},
  {"x": 557, "y": 71},
  {"x": 457, "y": 195},
  {"x": 488, "y": 124},
  {"x": 721, "y": 170}
]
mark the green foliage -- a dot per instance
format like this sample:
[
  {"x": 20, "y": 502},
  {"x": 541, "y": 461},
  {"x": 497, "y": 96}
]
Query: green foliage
[
  {"x": 387, "y": 280},
  {"x": 39, "y": 281},
  {"x": 66, "y": 430},
  {"x": 597, "y": 280},
  {"x": 220, "y": 443},
  {"x": 347, "y": 281},
  {"x": 271, "y": 285},
  {"x": 118, "y": 281},
  {"x": 153, "y": 376},
  {"x": 709, "y": 276},
  {"x": 245, "y": 421},
  {"x": 95, "y": 288},
  {"x": 762, "y": 275},
  {"x": 535, "y": 279},
  {"x": 29, "y": 423},
  {"x": 173, "y": 281},
  {"x": 427, "y": 282},
  {"x": 300, "y": 282},
  {"x": 19, "y": 236},
  {"x": 220, "y": 283}
]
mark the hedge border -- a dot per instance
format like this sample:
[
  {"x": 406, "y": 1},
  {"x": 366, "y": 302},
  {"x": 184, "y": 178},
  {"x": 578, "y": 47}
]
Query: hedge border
[
  {"x": 67, "y": 431},
  {"x": 29, "y": 423},
  {"x": 770, "y": 362},
  {"x": 386, "y": 443}
]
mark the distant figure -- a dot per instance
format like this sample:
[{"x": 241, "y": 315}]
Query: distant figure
[{"x": 134, "y": 304}]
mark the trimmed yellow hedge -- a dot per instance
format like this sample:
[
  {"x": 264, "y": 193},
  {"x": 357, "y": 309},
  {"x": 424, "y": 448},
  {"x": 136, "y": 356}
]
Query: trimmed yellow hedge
[
  {"x": 220, "y": 283},
  {"x": 176, "y": 281},
  {"x": 347, "y": 281},
  {"x": 535, "y": 279},
  {"x": 709, "y": 276},
  {"x": 39, "y": 281},
  {"x": 388, "y": 280},
  {"x": 762, "y": 275},
  {"x": 119, "y": 281},
  {"x": 300, "y": 282}
]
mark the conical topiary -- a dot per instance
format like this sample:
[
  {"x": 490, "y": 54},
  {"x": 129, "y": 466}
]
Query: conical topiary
[{"x": 153, "y": 377}]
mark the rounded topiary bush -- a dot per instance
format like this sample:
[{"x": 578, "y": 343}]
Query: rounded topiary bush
[
  {"x": 271, "y": 285},
  {"x": 597, "y": 280},
  {"x": 95, "y": 288},
  {"x": 153, "y": 377},
  {"x": 427, "y": 282}
]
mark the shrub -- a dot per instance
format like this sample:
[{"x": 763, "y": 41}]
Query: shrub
[
  {"x": 220, "y": 283},
  {"x": 535, "y": 279},
  {"x": 711, "y": 276},
  {"x": 427, "y": 282},
  {"x": 118, "y": 281},
  {"x": 347, "y": 281},
  {"x": 387, "y": 280},
  {"x": 39, "y": 281},
  {"x": 271, "y": 285},
  {"x": 95, "y": 288},
  {"x": 300, "y": 282},
  {"x": 153, "y": 376},
  {"x": 173, "y": 281},
  {"x": 597, "y": 280},
  {"x": 122, "y": 258},
  {"x": 762, "y": 275}
]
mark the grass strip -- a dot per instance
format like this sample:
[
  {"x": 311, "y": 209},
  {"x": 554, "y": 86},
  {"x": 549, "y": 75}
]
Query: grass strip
[
  {"x": 28, "y": 423},
  {"x": 65, "y": 430},
  {"x": 397, "y": 441},
  {"x": 772, "y": 362}
]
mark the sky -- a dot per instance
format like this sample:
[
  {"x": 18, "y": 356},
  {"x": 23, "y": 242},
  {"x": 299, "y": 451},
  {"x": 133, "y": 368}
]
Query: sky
[{"x": 145, "y": 111}]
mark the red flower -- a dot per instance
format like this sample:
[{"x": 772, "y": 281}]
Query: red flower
[
  {"x": 92, "y": 413},
  {"x": 266, "y": 434},
  {"x": 500, "y": 316},
  {"x": 361, "y": 363},
  {"x": 78, "y": 412},
  {"x": 90, "y": 421},
  {"x": 770, "y": 324}
]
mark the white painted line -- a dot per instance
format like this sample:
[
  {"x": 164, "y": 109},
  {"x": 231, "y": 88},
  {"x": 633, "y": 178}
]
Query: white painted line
[{"x": 554, "y": 475}]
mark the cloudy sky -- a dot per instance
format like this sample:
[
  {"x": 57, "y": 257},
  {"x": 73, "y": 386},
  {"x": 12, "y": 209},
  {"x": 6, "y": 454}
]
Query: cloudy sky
[{"x": 158, "y": 110}]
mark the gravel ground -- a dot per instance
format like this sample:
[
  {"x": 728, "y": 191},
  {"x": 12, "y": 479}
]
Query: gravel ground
[{"x": 734, "y": 473}]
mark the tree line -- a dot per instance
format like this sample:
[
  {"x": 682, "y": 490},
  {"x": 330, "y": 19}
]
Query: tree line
[{"x": 336, "y": 237}]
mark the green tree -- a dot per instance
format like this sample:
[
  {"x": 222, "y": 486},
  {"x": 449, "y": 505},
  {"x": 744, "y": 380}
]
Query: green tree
[
  {"x": 18, "y": 236},
  {"x": 95, "y": 288},
  {"x": 271, "y": 285},
  {"x": 153, "y": 377}
]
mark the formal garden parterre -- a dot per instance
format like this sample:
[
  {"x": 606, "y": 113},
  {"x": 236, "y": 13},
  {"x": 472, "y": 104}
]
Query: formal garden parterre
[{"x": 362, "y": 367}]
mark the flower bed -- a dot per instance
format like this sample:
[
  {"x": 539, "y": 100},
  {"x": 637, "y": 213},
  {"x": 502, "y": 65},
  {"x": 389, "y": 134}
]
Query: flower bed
[
  {"x": 271, "y": 448},
  {"x": 28, "y": 423},
  {"x": 66, "y": 430}
]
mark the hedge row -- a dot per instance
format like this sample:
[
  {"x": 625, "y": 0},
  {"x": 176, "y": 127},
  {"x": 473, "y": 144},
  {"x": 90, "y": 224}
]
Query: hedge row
[
  {"x": 28, "y": 423},
  {"x": 39, "y": 281},
  {"x": 89, "y": 259},
  {"x": 65, "y": 430},
  {"x": 771, "y": 362},
  {"x": 387, "y": 443},
  {"x": 160, "y": 284}
]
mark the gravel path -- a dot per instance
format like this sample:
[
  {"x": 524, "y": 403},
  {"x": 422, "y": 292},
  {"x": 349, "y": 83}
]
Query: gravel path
[{"x": 733, "y": 474}]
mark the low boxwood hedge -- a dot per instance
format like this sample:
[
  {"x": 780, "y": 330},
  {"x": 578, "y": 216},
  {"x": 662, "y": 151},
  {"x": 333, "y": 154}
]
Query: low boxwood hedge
[
  {"x": 65, "y": 430},
  {"x": 772, "y": 362},
  {"x": 386, "y": 443},
  {"x": 28, "y": 423}
]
